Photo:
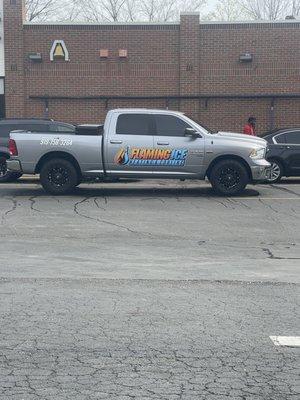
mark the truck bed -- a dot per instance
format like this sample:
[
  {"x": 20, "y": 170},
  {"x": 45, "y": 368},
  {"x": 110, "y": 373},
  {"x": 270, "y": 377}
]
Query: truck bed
[{"x": 85, "y": 149}]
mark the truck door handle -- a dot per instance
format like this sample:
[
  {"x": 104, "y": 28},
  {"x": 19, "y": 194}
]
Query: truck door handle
[
  {"x": 116, "y": 142},
  {"x": 163, "y": 143}
]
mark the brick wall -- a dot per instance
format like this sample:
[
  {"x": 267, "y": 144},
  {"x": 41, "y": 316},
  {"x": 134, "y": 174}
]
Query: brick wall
[
  {"x": 14, "y": 57},
  {"x": 163, "y": 60}
]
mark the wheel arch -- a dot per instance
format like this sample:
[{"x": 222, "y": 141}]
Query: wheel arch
[
  {"x": 228, "y": 157},
  {"x": 280, "y": 161},
  {"x": 58, "y": 154}
]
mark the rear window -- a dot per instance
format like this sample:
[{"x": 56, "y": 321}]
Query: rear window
[
  {"x": 62, "y": 128},
  {"x": 5, "y": 129},
  {"x": 34, "y": 127},
  {"x": 134, "y": 124}
]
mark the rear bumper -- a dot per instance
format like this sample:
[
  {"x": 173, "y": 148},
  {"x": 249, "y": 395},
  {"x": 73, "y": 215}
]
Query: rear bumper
[
  {"x": 259, "y": 170},
  {"x": 14, "y": 166}
]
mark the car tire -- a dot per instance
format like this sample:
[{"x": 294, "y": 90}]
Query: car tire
[
  {"x": 59, "y": 176},
  {"x": 275, "y": 172},
  {"x": 229, "y": 177},
  {"x": 5, "y": 175}
]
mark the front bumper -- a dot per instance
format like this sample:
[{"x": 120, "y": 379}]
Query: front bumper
[
  {"x": 14, "y": 166},
  {"x": 259, "y": 170}
]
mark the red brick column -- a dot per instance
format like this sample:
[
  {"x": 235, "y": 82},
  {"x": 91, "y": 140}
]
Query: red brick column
[
  {"x": 189, "y": 60},
  {"x": 14, "y": 14}
]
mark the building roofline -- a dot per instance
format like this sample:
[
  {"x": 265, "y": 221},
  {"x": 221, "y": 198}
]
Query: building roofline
[
  {"x": 251, "y": 22},
  {"x": 175, "y": 23},
  {"x": 67, "y": 23}
]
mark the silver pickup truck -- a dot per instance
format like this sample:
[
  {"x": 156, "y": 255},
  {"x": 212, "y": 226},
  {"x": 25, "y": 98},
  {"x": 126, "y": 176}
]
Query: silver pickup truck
[{"x": 139, "y": 143}]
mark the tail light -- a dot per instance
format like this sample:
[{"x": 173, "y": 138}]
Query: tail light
[{"x": 13, "y": 150}]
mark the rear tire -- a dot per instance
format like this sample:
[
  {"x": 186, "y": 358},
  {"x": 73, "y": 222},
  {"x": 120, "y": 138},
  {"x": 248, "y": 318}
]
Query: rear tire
[
  {"x": 59, "y": 176},
  {"x": 229, "y": 177},
  {"x": 275, "y": 172}
]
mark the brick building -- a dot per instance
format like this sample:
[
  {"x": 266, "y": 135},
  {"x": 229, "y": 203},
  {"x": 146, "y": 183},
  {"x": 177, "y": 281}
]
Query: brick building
[{"x": 219, "y": 73}]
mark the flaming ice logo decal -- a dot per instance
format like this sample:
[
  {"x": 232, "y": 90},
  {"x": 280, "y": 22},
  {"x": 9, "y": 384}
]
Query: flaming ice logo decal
[{"x": 150, "y": 157}]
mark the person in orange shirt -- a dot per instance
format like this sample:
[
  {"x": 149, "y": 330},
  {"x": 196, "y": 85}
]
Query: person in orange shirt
[{"x": 249, "y": 128}]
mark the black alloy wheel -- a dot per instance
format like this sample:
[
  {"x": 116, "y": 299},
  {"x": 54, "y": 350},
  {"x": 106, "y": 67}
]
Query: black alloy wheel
[
  {"x": 59, "y": 176},
  {"x": 229, "y": 177}
]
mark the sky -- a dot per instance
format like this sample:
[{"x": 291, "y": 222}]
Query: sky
[{"x": 210, "y": 5}]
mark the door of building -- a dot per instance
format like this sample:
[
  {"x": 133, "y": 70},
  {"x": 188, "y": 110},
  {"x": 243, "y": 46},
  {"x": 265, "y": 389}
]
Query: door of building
[
  {"x": 2, "y": 106},
  {"x": 2, "y": 99}
]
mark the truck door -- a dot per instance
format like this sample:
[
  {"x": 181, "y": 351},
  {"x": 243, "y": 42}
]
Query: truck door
[
  {"x": 129, "y": 145},
  {"x": 180, "y": 155}
]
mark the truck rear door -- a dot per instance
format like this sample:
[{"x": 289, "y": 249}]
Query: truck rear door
[
  {"x": 181, "y": 155},
  {"x": 128, "y": 145}
]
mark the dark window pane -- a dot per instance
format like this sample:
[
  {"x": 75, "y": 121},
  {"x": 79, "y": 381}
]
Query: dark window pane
[
  {"x": 62, "y": 128},
  {"x": 293, "y": 137},
  {"x": 168, "y": 125},
  {"x": 280, "y": 138},
  {"x": 133, "y": 124},
  {"x": 5, "y": 129},
  {"x": 34, "y": 127}
]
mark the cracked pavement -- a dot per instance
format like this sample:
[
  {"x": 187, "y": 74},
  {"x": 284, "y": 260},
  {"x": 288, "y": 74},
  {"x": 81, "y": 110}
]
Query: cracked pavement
[{"x": 149, "y": 290}]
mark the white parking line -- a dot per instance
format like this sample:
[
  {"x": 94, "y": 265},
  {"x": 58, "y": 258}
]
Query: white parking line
[
  {"x": 265, "y": 198},
  {"x": 289, "y": 341}
]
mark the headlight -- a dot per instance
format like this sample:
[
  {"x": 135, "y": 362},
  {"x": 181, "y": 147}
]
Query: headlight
[{"x": 258, "y": 153}]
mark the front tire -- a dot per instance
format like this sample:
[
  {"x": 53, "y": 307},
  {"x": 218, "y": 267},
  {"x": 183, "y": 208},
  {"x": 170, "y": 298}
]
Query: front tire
[
  {"x": 59, "y": 176},
  {"x": 229, "y": 177},
  {"x": 275, "y": 172}
]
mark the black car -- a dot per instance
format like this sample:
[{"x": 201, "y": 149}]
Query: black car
[
  {"x": 32, "y": 125},
  {"x": 283, "y": 153}
]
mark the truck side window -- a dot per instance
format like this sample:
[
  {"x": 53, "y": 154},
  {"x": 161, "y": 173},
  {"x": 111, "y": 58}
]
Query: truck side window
[
  {"x": 134, "y": 124},
  {"x": 169, "y": 125}
]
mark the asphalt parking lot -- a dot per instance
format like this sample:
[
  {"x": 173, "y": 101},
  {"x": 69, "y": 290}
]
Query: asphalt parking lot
[{"x": 149, "y": 290}]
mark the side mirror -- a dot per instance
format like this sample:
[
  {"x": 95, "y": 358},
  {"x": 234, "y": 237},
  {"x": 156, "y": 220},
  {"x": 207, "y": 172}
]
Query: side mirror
[{"x": 192, "y": 133}]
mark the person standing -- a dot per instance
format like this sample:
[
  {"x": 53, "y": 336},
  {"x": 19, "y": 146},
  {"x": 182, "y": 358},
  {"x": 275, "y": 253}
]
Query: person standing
[{"x": 249, "y": 128}]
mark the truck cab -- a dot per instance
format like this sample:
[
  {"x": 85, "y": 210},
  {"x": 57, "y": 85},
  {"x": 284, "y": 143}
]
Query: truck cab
[{"x": 154, "y": 143}]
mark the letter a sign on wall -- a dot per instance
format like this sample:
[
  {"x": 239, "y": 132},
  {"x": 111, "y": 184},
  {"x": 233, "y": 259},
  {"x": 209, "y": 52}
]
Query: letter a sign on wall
[{"x": 59, "y": 51}]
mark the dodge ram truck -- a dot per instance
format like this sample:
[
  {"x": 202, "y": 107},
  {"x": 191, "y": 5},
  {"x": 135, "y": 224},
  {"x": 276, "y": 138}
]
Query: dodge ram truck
[{"x": 140, "y": 143}]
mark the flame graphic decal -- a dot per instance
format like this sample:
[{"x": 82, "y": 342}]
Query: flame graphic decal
[{"x": 122, "y": 157}]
